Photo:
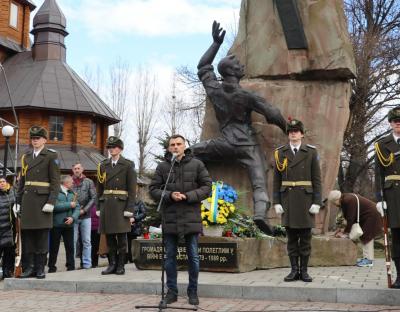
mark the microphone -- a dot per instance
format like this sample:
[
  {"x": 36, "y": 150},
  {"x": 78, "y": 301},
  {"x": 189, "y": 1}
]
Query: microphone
[{"x": 174, "y": 155}]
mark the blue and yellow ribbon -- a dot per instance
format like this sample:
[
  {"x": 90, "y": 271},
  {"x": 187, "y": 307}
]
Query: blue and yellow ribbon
[{"x": 217, "y": 187}]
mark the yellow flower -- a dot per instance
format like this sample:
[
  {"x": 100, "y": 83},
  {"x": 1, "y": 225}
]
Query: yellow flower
[{"x": 205, "y": 223}]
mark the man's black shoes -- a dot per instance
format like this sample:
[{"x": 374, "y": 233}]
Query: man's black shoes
[
  {"x": 193, "y": 298},
  {"x": 171, "y": 297}
]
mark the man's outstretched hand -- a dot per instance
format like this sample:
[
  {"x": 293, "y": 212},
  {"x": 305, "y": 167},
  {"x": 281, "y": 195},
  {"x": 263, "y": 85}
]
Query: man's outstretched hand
[{"x": 218, "y": 33}]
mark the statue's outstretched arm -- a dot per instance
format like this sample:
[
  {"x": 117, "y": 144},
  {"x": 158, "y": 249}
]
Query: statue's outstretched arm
[
  {"x": 271, "y": 113},
  {"x": 218, "y": 36}
]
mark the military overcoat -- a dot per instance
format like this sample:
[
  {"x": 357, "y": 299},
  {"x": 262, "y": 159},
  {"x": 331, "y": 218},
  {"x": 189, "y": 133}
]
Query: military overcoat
[
  {"x": 43, "y": 169},
  {"x": 387, "y": 146},
  {"x": 297, "y": 200},
  {"x": 121, "y": 177}
]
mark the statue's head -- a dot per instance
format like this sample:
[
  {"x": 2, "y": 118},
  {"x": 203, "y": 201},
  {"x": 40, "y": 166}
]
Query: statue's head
[{"x": 230, "y": 66}]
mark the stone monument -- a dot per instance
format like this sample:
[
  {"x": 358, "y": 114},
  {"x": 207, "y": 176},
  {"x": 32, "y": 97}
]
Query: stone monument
[{"x": 298, "y": 56}]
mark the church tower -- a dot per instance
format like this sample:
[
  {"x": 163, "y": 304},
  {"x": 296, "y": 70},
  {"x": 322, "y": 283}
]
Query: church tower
[{"x": 46, "y": 91}]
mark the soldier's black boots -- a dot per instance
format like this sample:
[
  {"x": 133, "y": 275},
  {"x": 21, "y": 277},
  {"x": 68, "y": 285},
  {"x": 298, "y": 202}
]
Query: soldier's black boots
[
  {"x": 294, "y": 274},
  {"x": 40, "y": 260},
  {"x": 303, "y": 269},
  {"x": 121, "y": 263},
  {"x": 29, "y": 270},
  {"x": 112, "y": 265},
  {"x": 396, "y": 283}
]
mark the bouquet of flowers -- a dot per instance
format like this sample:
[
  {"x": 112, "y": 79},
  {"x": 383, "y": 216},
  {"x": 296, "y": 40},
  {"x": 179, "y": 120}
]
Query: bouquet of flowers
[{"x": 218, "y": 208}]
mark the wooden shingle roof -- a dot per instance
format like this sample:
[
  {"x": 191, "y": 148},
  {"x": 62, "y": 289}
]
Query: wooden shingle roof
[{"x": 50, "y": 85}]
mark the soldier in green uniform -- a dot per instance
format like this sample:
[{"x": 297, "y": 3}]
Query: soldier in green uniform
[
  {"x": 116, "y": 202},
  {"x": 297, "y": 196},
  {"x": 387, "y": 179},
  {"x": 37, "y": 193}
]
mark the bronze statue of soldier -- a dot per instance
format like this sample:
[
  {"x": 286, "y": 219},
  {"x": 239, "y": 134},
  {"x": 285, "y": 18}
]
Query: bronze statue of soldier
[{"x": 233, "y": 106}]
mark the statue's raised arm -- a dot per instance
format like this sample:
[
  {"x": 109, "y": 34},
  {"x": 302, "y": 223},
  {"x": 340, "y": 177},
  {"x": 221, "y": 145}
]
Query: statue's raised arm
[{"x": 218, "y": 35}]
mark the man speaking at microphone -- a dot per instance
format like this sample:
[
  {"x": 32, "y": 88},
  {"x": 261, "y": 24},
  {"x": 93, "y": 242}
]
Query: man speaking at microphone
[{"x": 188, "y": 185}]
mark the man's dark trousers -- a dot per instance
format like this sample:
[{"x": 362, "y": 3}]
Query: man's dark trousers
[
  {"x": 171, "y": 245},
  {"x": 67, "y": 233}
]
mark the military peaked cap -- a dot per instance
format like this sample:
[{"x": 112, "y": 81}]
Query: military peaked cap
[
  {"x": 295, "y": 125},
  {"x": 37, "y": 131},
  {"x": 394, "y": 113},
  {"x": 114, "y": 141}
]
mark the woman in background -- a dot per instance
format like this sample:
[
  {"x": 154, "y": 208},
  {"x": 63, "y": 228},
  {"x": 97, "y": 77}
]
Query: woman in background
[
  {"x": 7, "y": 221},
  {"x": 370, "y": 221}
]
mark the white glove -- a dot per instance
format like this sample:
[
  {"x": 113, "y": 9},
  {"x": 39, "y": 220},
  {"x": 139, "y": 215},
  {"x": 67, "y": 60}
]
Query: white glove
[
  {"x": 380, "y": 206},
  {"x": 98, "y": 213},
  {"x": 314, "y": 209},
  {"x": 16, "y": 209},
  {"x": 128, "y": 214},
  {"x": 278, "y": 209},
  {"x": 48, "y": 208}
]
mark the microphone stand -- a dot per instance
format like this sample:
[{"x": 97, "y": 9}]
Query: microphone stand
[{"x": 163, "y": 304}]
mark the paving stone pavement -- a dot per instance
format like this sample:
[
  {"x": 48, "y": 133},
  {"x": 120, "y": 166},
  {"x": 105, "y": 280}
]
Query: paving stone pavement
[
  {"x": 331, "y": 284},
  {"x": 250, "y": 291},
  {"x": 40, "y": 301}
]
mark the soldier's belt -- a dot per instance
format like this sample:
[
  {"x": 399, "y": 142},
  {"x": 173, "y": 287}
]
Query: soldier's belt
[
  {"x": 296, "y": 183},
  {"x": 393, "y": 177},
  {"x": 37, "y": 183},
  {"x": 115, "y": 192}
]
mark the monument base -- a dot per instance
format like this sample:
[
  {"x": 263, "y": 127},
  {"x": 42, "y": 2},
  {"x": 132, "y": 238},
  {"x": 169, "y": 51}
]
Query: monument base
[{"x": 227, "y": 254}]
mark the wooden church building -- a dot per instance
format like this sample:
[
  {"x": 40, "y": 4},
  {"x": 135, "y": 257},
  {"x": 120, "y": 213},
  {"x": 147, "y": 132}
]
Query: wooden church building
[{"x": 45, "y": 90}]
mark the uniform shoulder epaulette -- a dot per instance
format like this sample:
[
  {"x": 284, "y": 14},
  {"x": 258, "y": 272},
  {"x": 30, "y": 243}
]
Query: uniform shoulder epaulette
[
  {"x": 312, "y": 146},
  {"x": 52, "y": 150},
  {"x": 381, "y": 139},
  {"x": 278, "y": 148}
]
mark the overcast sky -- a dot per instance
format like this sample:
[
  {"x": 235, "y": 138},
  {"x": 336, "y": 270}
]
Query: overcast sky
[{"x": 165, "y": 34}]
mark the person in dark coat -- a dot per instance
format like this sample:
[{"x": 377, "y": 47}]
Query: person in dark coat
[
  {"x": 66, "y": 213},
  {"x": 370, "y": 221},
  {"x": 297, "y": 196},
  {"x": 86, "y": 192},
  {"x": 37, "y": 193},
  {"x": 7, "y": 247},
  {"x": 387, "y": 178},
  {"x": 136, "y": 227},
  {"x": 189, "y": 184},
  {"x": 94, "y": 236},
  {"x": 116, "y": 203}
]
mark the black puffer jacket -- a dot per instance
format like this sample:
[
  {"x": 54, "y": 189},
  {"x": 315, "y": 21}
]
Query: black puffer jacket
[
  {"x": 189, "y": 176},
  {"x": 7, "y": 200}
]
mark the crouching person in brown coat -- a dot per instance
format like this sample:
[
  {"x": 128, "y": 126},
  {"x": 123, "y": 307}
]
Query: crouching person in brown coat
[{"x": 369, "y": 219}]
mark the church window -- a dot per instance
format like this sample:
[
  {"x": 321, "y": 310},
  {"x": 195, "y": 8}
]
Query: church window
[
  {"x": 13, "y": 15},
  {"x": 93, "y": 133},
  {"x": 56, "y": 125}
]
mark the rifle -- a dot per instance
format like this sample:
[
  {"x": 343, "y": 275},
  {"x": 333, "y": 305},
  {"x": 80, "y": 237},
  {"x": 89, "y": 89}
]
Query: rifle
[
  {"x": 18, "y": 236},
  {"x": 388, "y": 260},
  {"x": 18, "y": 248}
]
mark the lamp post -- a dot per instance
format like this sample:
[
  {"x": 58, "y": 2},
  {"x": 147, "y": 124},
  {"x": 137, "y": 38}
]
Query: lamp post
[{"x": 7, "y": 132}]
